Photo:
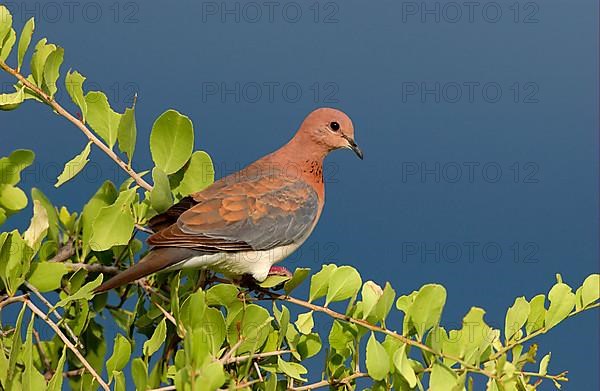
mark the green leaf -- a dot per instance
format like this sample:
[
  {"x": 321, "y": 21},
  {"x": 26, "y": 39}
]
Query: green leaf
[
  {"x": 319, "y": 282},
  {"x": 222, "y": 294},
  {"x": 7, "y": 44},
  {"x": 426, "y": 310},
  {"x": 308, "y": 345},
  {"x": 171, "y": 141},
  {"x": 252, "y": 324},
  {"x": 47, "y": 276},
  {"x": 84, "y": 293},
  {"x": 38, "y": 60},
  {"x": 160, "y": 196},
  {"x": 371, "y": 292},
  {"x": 292, "y": 369},
  {"x": 24, "y": 41},
  {"x": 403, "y": 366},
  {"x": 74, "y": 166},
  {"x": 52, "y": 70},
  {"x": 212, "y": 376},
  {"x": 344, "y": 284},
  {"x": 12, "y": 166},
  {"x": 442, "y": 378},
  {"x": 5, "y": 23},
  {"x": 55, "y": 383},
  {"x": 12, "y": 198},
  {"x": 273, "y": 281},
  {"x": 305, "y": 322},
  {"x": 114, "y": 224},
  {"x": 590, "y": 291},
  {"x": 193, "y": 309},
  {"x": 16, "y": 345},
  {"x": 139, "y": 374},
  {"x": 74, "y": 85},
  {"x": 32, "y": 379},
  {"x": 119, "y": 357},
  {"x": 120, "y": 383},
  {"x": 15, "y": 256},
  {"x": 472, "y": 341},
  {"x": 127, "y": 133},
  {"x": 213, "y": 327},
  {"x": 384, "y": 305},
  {"x": 341, "y": 337},
  {"x": 298, "y": 277},
  {"x": 12, "y": 100},
  {"x": 378, "y": 361},
  {"x": 537, "y": 314},
  {"x": 198, "y": 174},
  {"x": 516, "y": 317},
  {"x": 157, "y": 339},
  {"x": 105, "y": 196},
  {"x": 101, "y": 117},
  {"x": 544, "y": 364},
  {"x": 37, "y": 195},
  {"x": 562, "y": 301},
  {"x": 38, "y": 227}
]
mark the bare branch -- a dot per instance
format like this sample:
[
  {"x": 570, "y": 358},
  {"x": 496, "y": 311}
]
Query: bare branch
[
  {"x": 332, "y": 382},
  {"x": 235, "y": 360},
  {"x": 53, "y": 312},
  {"x": 365, "y": 324},
  {"x": 88, "y": 133},
  {"x": 65, "y": 340},
  {"x": 93, "y": 267}
]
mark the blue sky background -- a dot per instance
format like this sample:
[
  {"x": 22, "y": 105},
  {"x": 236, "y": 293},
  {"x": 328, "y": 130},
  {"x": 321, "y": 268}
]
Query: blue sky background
[{"x": 480, "y": 131}]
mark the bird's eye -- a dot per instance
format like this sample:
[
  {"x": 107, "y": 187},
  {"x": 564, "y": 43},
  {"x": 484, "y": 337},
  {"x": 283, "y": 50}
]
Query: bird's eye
[{"x": 334, "y": 126}]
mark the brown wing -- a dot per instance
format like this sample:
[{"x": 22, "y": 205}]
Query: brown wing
[{"x": 248, "y": 215}]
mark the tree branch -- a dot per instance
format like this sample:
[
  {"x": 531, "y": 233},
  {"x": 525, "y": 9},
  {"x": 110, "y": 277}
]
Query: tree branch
[
  {"x": 65, "y": 340},
  {"x": 53, "y": 312},
  {"x": 332, "y": 382},
  {"x": 88, "y": 133},
  {"x": 93, "y": 267},
  {"x": 543, "y": 330},
  {"x": 365, "y": 324}
]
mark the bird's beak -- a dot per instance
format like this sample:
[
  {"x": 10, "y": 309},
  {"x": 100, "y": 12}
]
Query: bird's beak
[{"x": 352, "y": 145}]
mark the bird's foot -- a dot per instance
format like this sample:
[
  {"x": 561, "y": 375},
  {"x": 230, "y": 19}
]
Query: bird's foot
[{"x": 279, "y": 271}]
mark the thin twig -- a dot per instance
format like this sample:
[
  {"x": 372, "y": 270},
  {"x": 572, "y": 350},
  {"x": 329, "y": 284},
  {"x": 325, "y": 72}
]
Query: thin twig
[
  {"x": 235, "y": 360},
  {"x": 53, "y": 311},
  {"x": 43, "y": 356},
  {"x": 258, "y": 371},
  {"x": 331, "y": 382},
  {"x": 93, "y": 267},
  {"x": 74, "y": 372},
  {"x": 144, "y": 229},
  {"x": 88, "y": 133},
  {"x": 543, "y": 330},
  {"x": 167, "y": 388},
  {"x": 14, "y": 299},
  {"x": 66, "y": 341},
  {"x": 143, "y": 282},
  {"x": 169, "y": 317},
  {"x": 365, "y": 324},
  {"x": 231, "y": 351},
  {"x": 63, "y": 253},
  {"x": 247, "y": 384},
  {"x": 559, "y": 377}
]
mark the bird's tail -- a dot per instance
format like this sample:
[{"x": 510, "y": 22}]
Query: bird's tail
[{"x": 156, "y": 260}]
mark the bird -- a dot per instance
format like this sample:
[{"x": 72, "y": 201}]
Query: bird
[{"x": 246, "y": 222}]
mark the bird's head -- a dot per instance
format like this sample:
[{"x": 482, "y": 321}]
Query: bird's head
[{"x": 331, "y": 129}]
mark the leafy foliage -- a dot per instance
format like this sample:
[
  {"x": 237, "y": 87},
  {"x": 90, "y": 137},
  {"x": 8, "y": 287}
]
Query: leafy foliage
[{"x": 194, "y": 330}]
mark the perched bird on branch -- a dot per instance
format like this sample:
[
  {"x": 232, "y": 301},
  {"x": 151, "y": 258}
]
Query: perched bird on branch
[{"x": 246, "y": 222}]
